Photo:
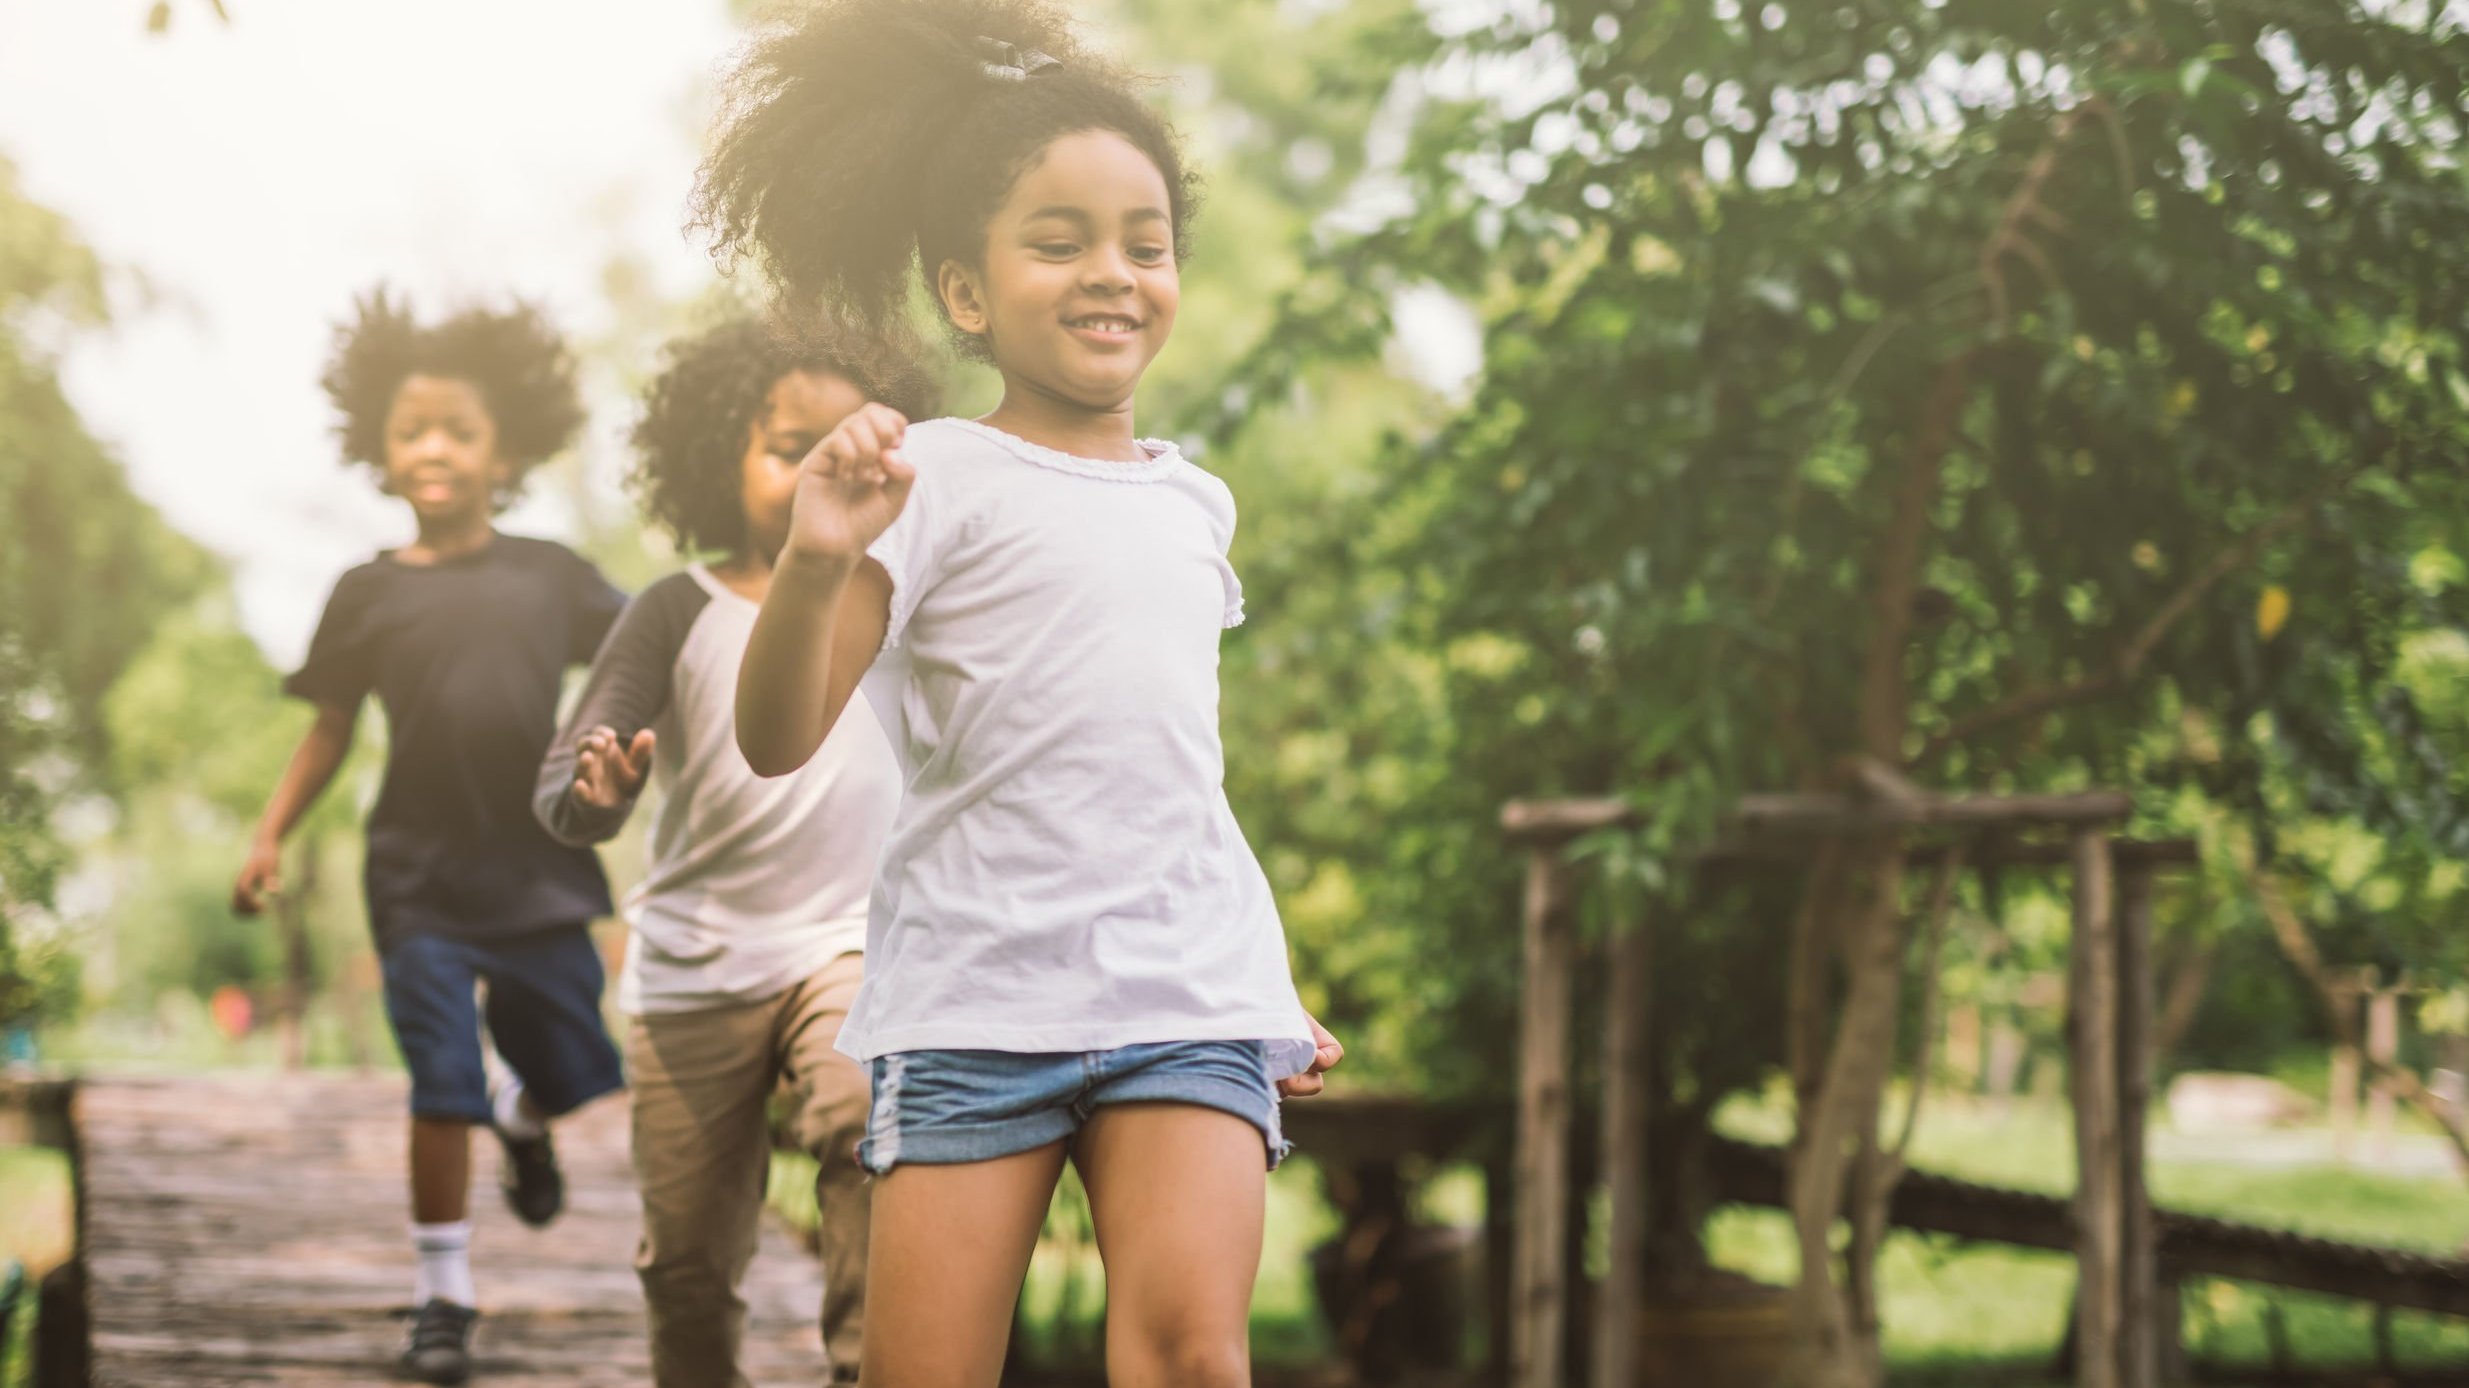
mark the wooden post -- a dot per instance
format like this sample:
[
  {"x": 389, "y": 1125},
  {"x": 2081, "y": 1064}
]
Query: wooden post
[
  {"x": 1499, "y": 1263},
  {"x": 2343, "y": 1100},
  {"x": 63, "y": 1350},
  {"x": 1962, "y": 1048},
  {"x": 1626, "y": 1085},
  {"x": 2167, "y": 1326},
  {"x": 2139, "y": 1353},
  {"x": 2382, "y": 1049},
  {"x": 1538, "y": 1311},
  {"x": 2091, "y": 1025}
]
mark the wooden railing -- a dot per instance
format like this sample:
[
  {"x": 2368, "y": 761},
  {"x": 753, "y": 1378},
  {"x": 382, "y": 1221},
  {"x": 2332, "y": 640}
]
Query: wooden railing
[{"x": 41, "y": 1111}]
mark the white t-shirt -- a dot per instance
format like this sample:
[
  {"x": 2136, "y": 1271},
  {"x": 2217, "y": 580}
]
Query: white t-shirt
[
  {"x": 753, "y": 884},
  {"x": 1064, "y": 873}
]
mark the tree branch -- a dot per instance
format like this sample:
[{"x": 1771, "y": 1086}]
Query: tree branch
[
  {"x": 1941, "y": 906},
  {"x": 2123, "y": 667}
]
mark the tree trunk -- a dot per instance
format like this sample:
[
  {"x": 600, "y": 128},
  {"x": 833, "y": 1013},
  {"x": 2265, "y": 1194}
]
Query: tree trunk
[
  {"x": 2182, "y": 999},
  {"x": 1832, "y": 1347},
  {"x": 291, "y": 915}
]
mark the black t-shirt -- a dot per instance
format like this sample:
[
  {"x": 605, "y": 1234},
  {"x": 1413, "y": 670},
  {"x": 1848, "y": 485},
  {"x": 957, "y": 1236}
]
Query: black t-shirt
[{"x": 467, "y": 658}]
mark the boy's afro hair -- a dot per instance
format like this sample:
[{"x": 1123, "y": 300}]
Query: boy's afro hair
[
  {"x": 865, "y": 142},
  {"x": 697, "y": 413},
  {"x": 514, "y": 357}
]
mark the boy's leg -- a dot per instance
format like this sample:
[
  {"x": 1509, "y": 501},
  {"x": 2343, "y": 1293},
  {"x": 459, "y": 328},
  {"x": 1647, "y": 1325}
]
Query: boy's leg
[
  {"x": 702, "y": 1155},
  {"x": 830, "y": 1094},
  {"x": 1177, "y": 1193},
  {"x": 441, "y": 1170},
  {"x": 950, "y": 1246},
  {"x": 429, "y": 982},
  {"x": 544, "y": 1014}
]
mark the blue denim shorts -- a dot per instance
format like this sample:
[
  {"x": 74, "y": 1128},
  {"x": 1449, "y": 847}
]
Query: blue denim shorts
[
  {"x": 543, "y": 1013},
  {"x": 937, "y": 1108}
]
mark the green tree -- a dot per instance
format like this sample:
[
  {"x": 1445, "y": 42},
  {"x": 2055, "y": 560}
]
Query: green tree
[
  {"x": 86, "y": 570},
  {"x": 1930, "y": 387}
]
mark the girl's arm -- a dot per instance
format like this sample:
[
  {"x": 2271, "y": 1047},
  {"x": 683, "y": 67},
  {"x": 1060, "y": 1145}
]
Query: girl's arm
[
  {"x": 306, "y": 777},
  {"x": 596, "y": 762},
  {"x": 815, "y": 638},
  {"x": 829, "y": 606}
]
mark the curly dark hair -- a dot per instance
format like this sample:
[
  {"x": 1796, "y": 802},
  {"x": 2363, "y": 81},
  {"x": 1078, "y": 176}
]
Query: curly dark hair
[
  {"x": 867, "y": 137},
  {"x": 513, "y": 356},
  {"x": 697, "y": 411}
]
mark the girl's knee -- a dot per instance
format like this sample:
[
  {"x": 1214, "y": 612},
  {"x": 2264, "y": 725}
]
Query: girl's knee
[{"x": 1186, "y": 1357}]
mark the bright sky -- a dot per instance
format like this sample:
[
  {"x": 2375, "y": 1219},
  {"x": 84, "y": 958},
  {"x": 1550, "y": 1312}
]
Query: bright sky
[{"x": 260, "y": 174}]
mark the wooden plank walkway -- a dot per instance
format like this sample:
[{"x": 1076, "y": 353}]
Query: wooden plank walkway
[{"x": 251, "y": 1229}]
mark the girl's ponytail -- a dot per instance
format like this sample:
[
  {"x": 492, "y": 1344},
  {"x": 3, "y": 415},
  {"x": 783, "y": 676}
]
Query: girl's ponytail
[
  {"x": 867, "y": 136},
  {"x": 831, "y": 127}
]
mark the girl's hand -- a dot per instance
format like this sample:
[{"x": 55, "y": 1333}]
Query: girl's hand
[
  {"x": 851, "y": 487},
  {"x": 260, "y": 877},
  {"x": 1325, "y": 1056},
  {"x": 608, "y": 774}
]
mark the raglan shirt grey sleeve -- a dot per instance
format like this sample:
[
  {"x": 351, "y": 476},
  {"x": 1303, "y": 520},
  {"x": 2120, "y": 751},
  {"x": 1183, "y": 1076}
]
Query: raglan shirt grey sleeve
[{"x": 627, "y": 692}]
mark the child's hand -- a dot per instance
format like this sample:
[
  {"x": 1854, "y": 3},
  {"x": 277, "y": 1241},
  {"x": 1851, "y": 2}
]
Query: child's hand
[
  {"x": 852, "y": 486},
  {"x": 260, "y": 877},
  {"x": 1326, "y": 1054},
  {"x": 608, "y": 773}
]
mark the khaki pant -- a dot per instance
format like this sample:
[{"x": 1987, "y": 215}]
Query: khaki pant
[{"x": 702, "y": 1155}]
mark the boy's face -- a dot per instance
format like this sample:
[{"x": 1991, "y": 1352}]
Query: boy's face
[
  {"x": 1079, "y": 288},
  {"x": 441, "y": 449},
  {"x": 799, "y": 410}
]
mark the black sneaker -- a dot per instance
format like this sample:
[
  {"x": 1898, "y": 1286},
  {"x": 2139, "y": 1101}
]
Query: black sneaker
[
  {"x": 439, "y": 1350},
  {"x": 535, "y": 1188}
]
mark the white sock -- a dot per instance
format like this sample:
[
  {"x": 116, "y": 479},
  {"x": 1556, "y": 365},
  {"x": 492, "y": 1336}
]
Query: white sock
[
  {"x": 445, "y": 1263},
  {"x": 506, "y": 1109}
]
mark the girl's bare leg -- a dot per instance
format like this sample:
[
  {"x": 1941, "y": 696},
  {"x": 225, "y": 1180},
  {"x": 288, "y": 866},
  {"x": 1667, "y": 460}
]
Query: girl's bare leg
[
  {"x": 1177, "y": 1193},
  {"x": 943, "y": 1270}
]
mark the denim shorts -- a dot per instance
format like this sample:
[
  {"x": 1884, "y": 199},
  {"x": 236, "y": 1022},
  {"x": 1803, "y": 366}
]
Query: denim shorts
[
  {"x": 937, "y": 1108},
  {"x": 543, "y": 1014}
]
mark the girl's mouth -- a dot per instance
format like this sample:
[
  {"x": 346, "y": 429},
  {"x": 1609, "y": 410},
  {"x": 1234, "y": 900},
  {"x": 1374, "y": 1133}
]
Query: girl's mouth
[{"x": 1104, "y": 327}]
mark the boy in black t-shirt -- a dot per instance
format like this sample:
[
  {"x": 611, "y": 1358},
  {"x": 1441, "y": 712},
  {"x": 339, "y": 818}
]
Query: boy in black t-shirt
[{"x": 464, "y": 636}]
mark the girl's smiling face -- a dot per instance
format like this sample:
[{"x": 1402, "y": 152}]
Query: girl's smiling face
[
  {"x": 441, "y": 449},
  {"x": 1077, "y": 292}
]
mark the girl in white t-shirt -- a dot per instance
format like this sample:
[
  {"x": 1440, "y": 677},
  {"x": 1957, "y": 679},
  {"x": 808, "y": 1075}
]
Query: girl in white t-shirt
[{"x": 1071, "y": 950}]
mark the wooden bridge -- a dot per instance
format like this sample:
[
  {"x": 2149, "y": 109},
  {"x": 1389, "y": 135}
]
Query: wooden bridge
[{"x": 250, "y": 1229}]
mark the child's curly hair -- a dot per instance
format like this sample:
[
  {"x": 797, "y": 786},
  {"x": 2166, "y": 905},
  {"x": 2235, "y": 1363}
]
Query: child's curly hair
[
  {"x": 869, "y": 136},
  {"x": 514, "y": 357},
  {"x": 697, "y": 411}
]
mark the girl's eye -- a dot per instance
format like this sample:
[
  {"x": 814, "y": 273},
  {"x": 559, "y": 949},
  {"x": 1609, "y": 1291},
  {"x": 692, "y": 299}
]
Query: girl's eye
[
  {"x": 1060, "y": 250},
  {"x": 1148, "y": 255}
]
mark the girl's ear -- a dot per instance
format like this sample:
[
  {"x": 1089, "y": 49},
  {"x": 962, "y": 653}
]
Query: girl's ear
[{"x": 963, "y": 298}]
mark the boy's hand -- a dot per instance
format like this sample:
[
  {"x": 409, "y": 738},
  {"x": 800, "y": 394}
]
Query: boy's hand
[
  {"x": 260, "y": 877},
  {"x": 851, "y": 487},
  {"x": 608, "y": 774},
  {"x": 1325, "y": 1056}
]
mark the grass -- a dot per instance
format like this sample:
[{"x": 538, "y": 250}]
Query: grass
[{"x": 1949, "y": 1307}]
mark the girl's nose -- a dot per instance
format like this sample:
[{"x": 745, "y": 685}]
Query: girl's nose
[{"x": 1110, "y": 270}]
